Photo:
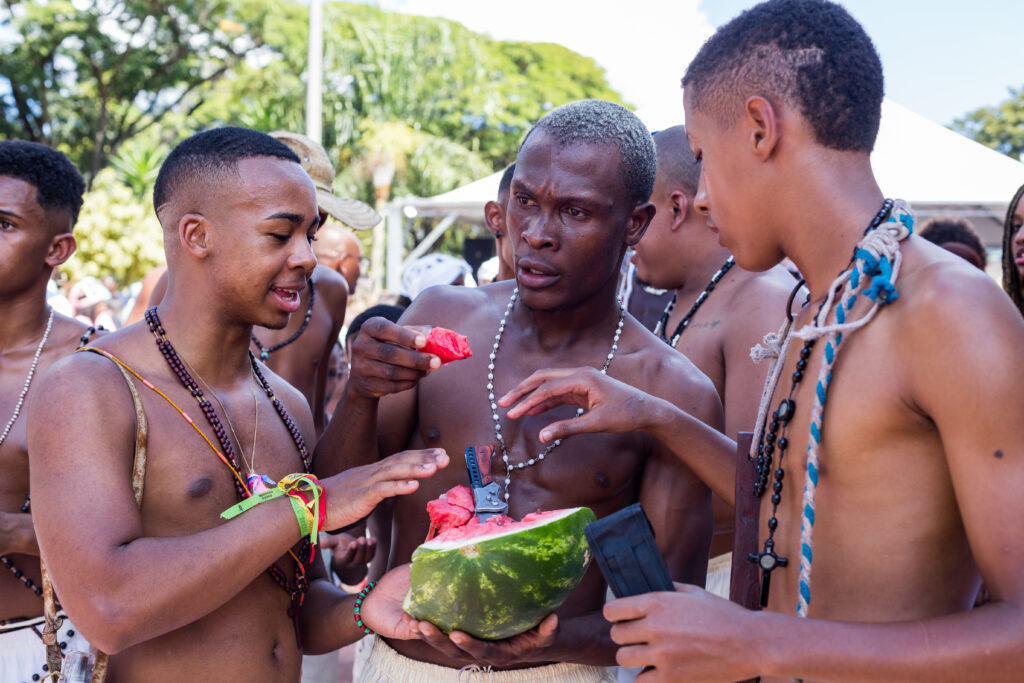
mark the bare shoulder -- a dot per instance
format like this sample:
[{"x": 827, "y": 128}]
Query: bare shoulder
[
  {"x": 658, "y": 369},
  {"x": 332, "y": 288},
  {"x": 455, "y": 307},
  {"x": 762, "y": 294},
  {"x": 941, "y": 292}
]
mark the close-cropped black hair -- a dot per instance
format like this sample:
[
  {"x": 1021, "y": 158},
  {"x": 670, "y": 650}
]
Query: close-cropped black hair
[
  {"x": 676, "y": 162},
  {"x": 809, "y": 53},
  {"x": 605, "y": 123},
  {"x": 58, "y": 183},
  {"x": 211, "y": 153},
  {"x": 942, "y": 230},
  {"x": 1011, "y": 275},
  {"x": 506, "y": 179}
]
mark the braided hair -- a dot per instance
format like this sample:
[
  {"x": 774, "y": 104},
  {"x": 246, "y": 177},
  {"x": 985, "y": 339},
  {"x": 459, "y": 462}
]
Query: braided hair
[{"x": 1011, "y": 275}]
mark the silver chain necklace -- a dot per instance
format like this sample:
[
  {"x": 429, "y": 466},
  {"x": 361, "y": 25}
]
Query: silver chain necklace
[
  {"x": 494, "y": 405},
  {"x": 28, "y": 380}
]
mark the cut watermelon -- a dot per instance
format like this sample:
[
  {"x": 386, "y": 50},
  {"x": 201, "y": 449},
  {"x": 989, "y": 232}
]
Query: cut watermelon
[
  {"x": 498, "y": 578},
  {"x": 446, "y": 345}
]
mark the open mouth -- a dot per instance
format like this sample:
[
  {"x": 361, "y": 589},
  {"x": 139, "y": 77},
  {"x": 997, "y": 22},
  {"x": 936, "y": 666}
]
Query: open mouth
[{"x": 287, "y": 297}]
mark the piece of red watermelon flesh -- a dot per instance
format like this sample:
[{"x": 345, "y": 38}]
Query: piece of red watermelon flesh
[
  {"x": 447, "y": 345},
  {"x": 497, "y": 578}
]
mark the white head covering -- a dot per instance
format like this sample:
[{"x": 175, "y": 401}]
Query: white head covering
[{"x": 434, "y": 269}]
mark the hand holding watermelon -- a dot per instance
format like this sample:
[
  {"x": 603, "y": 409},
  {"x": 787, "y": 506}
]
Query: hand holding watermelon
[
  {"x": 524, "y": 647},
  {"x": 387, "y": 358},
  {"x": 382, "y": 608}
]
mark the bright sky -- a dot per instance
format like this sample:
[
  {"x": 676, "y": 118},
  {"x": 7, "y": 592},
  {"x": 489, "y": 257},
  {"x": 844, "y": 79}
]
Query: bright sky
[{"x": 942, "y": 58}]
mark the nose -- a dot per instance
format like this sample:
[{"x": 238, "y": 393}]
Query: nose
[
  {"x": 302, "y": 255},
  {"x": 1019, "y": 237},
  {"x": 540, "y": 233},
  {"x": 700, "y": 200}
]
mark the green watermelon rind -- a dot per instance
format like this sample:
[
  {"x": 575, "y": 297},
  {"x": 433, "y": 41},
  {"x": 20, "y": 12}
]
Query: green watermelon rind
[{"x": 499, "y": 586}]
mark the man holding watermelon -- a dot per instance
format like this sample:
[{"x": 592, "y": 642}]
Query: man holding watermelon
[
  {"x": 579, "y": 198},
  {"x": 890, "y": 446}
]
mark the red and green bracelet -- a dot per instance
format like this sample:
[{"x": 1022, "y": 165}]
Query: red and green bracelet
[{"x": 360, "y": 597}]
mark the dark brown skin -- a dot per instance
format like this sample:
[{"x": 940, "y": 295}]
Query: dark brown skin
[
  {"x": 566, "y": 216},
  {"x": 304, "y": 362},
  {"x": 679, "y": 251},
  {"x": 173, "y": 591},
  {"x": 922, "y": 455},
  {"x": 33, "y": 241}
]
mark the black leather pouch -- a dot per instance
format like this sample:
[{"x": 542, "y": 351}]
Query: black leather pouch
[{"x": 623, "y": 545}]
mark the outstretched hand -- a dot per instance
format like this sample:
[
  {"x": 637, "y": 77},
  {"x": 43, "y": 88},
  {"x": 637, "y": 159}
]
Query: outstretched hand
[
  {"x": 354, "y": 493},
  {"x": 525, "y": 647},
  {"x": 385, "y": 360},
  {"x": 612, "y": 406},
  {"x": 689, "y": 635}
]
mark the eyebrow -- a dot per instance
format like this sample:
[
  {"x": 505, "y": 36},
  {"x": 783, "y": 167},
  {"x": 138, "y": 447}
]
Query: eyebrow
[{"x": 11, "y": 213}]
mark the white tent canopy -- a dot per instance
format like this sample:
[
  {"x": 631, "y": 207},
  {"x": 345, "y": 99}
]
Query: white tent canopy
[{"x": 938, "y": 171}]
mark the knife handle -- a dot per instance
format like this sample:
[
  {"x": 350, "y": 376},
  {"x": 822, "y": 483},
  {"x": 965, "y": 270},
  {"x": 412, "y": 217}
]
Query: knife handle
[{"x": 475, "y": 478}]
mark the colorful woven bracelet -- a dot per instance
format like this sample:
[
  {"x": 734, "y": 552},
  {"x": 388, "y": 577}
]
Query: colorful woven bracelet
[
  {"x": 360, "y": 597},
  {"x": 306, "y": 495}
]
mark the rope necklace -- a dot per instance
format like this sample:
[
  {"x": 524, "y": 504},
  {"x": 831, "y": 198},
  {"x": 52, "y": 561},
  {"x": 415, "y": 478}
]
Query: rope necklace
[
  {"x": 659, "y": 329},
  {"x": 510, "y": 467},
  {"x": 7, "y": 430},
  {"x": 877, "y": 258},
  {"x": 265, "y": 353},
  {"x": 296, "y": 589}
]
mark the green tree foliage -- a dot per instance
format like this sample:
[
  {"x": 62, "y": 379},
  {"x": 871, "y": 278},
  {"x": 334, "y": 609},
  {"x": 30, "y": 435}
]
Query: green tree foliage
[
  {"x": 87, "y": 76},
  {"x": 117, "y": 233},
  {"x": 1000, "y": 127}
]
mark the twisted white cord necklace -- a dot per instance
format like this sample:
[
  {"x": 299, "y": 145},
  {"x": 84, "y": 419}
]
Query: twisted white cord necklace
[
  {"x": 494, "y": 405},
  {"x": 28, "y": 380}
]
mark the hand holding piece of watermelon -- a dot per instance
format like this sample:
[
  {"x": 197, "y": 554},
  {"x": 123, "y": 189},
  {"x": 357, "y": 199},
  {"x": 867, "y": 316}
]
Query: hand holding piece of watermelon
[{"x": 446, "y": 345}]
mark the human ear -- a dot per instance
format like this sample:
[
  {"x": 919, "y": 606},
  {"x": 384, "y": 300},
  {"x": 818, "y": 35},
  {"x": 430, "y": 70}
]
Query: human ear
[
  {"x": 638, "y": 222},
  {"x": 680, "y": 208},
  {"x": 763, "y": 124},
  {"x": 493, "y": 217},
  {"x": 61, "y": 249},
  {"x": 192, "y": 234}
]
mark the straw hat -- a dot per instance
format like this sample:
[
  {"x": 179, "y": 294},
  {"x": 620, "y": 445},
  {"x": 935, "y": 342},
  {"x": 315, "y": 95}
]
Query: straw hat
[{"x": 314, "y": 160}]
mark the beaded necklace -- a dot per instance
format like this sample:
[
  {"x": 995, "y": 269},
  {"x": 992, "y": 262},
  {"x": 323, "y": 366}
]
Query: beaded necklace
[
  {"x": 3, "y": 437},
  {"x": 662, "y": 325},
  {"x": 510, "y": 467},
  {"x": 877, "y": 254},
  {"x": 265, "y": 353},
  {"x": 296, "y": 589}
]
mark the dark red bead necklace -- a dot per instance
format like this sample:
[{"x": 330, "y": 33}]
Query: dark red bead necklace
[{"x": 296, "y": 589}]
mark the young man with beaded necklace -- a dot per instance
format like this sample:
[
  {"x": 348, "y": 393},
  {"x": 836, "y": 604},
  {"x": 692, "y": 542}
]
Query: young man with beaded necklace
[
  {"x": 40, "y": 197},
  {"x": 174, "y": 591},
  {"x": 719, "y": 311},
  {"x": 579, "y": 197},
  {"x": 904, "y": 490}
]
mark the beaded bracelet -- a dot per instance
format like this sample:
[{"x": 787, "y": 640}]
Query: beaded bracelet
[{"x": 360, "y": 597}]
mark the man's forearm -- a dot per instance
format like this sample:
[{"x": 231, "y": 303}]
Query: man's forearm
[
  {"x": 17, "y": 535},
  {"x": 582, "y": 640},
  {"x": 147, "y": 587},
  {"x": 327, "y": 619},
  {"x": 985, "y": 644},
  {"x": 351, "y": 436},
  {"x": 709, "y": 453}
]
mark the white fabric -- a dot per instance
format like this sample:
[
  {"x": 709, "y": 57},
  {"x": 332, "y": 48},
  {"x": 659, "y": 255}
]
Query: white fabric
[
  {"x": 385, "y": 665},
  {"x": 22, "y": 653}
]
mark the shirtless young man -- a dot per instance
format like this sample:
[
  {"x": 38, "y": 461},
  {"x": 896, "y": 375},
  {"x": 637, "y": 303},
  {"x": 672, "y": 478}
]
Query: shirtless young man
[
  {"x": 175, "y": 591},
  {"x": 719, "y": 312},
  {"x": 578, "y": 199},
  {"x": 40, "y": 196},
  {"x": 922, "y": 446}
]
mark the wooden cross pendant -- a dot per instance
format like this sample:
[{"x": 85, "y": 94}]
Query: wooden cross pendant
[{"x": 768, "y": 561}]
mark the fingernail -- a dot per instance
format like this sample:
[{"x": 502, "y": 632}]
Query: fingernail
[
  {"x": 427, "y": 465},
  {"x": 545, "y": 435},
  {"x": 435, "y": 362},
  {"x": 419, "y": 341},
  {"x": 441, "y": 458}
]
